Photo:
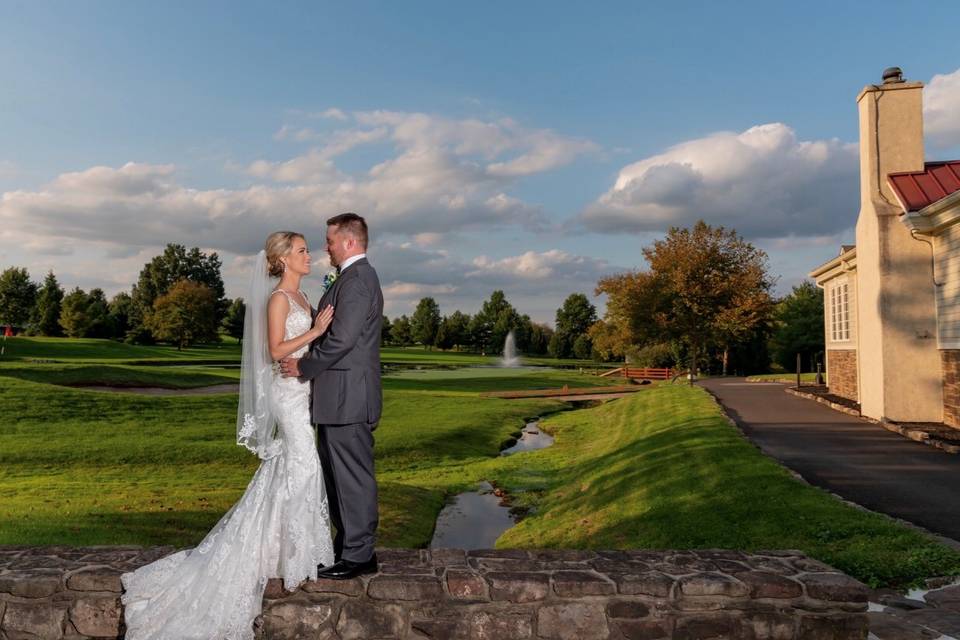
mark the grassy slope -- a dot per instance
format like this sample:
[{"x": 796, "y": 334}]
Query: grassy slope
[{"x": 664, "y": 469}]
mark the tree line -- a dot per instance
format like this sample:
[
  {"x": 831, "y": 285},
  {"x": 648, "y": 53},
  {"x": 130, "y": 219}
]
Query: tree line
[
  {"x": 705, "y": 301},
  {"x": 178, "y": 298},
  {"x": 486, "y": 331}
]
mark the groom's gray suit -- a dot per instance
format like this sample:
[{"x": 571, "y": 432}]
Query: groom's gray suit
[{"x": 344, "y": 365}]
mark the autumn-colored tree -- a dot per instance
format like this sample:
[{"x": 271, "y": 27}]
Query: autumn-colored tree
[
  {"x": 176, "y": 263},
  {"x": 185, "y": 315},
  {"x": 706, "y": 288}
]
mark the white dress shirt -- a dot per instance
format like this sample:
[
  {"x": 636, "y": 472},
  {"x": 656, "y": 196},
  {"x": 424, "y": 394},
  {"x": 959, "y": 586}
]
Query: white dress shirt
[{"x": 349, "y": 261}]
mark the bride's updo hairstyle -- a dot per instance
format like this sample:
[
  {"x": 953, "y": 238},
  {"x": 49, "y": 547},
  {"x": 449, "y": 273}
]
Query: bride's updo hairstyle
[{"x": 278, "y": 245}]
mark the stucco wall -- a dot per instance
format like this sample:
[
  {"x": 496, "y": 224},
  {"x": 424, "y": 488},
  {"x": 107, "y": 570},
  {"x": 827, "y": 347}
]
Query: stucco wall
[{"x": 899, "y": 365}]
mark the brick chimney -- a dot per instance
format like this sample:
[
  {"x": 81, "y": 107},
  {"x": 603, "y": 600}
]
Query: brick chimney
[{"x": 898, "y": 361}]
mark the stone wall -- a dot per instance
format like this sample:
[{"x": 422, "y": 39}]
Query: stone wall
[
  {"x": 73, "y": 593},
  {"x": 950, "y": 370},
  {"x": 842, "y": 373}
]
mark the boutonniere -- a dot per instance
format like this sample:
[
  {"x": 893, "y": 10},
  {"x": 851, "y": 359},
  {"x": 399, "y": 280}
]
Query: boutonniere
[{"x": 328, "y": 280}]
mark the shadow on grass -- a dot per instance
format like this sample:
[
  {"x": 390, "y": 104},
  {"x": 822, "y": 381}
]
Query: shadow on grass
[{"x": 668, "y": 471}]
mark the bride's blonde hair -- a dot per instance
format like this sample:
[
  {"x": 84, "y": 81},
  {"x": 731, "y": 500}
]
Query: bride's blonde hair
[{"x": 278, "y": 244}]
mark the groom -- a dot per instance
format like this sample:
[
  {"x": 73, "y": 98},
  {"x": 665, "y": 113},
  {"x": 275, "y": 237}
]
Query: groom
[{"x": 344, "y": 365}]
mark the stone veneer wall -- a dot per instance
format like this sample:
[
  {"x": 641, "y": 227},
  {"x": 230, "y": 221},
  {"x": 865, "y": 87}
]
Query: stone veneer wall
[
  {"x": 74, "y": 593},
  {"x": 950, "y": 371},
  {"x": 842, "y": 373}
]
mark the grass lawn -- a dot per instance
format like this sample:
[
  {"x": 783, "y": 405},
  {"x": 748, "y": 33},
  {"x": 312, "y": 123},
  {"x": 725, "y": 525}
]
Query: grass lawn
[
  {"x": 86, "y": 467},
  {"x": 112, "y": 375},
  {"x": 664, "y": 469},
  {"x": 77, "y": 350},
  {"x": 660, "y": 469}
]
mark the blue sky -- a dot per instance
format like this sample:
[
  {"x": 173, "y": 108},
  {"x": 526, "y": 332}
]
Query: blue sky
[{"x": 533, "y": 147}]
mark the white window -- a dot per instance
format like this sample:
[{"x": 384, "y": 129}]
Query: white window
[{"x": 839, "y": 313}]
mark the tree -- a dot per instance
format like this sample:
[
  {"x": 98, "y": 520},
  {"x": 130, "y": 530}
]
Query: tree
[
  {"x": 74, "y": 313},
  {"x": 120, "y": 308},
  {"x": 425, "y": 322},
  {"x": 457, "y": 326},
  {"x": 400, "y": 332},
  {"x": 798, "y": 326},
  {"x": 583, "y": 347},
  {"x": 185, "y": 315},
  {"x": 445, "y": 338},
  {"x": 540, "y": 335},
  {"x": 157, "y": 277},
  {"x": 18, "y": 295},
  {"x": 98, "y": 313},
  {"x": 608, "y": 344},
  {"x": 45, "y": 320},
  {"x": 706, "y": 288},
  {"x": 490, "y": 326},
  {"x": 233, "y": 321},
  {"x": 574, "y": 319}
]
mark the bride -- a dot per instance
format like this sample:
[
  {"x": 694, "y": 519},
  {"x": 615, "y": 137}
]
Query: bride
[{"x": 280, "y": 527}]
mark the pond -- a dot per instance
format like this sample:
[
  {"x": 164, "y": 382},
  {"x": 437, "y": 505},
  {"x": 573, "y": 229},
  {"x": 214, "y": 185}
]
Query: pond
[{"x": 475, "y": 519}]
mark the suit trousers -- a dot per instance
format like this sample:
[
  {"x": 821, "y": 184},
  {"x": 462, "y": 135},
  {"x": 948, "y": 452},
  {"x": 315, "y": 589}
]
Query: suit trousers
[{"x": 346, "y": 453}]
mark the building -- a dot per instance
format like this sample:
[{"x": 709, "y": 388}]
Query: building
[{"x": 892, "y": 301}]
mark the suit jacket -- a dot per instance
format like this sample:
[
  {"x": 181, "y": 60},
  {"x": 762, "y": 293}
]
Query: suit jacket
[{"x": 344, "y": 363}]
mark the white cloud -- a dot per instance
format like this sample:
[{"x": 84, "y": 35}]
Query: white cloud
[
  {"x": 533, "y": 266},
  {"x": 764, "y": 182},
  {"x": 941, "y": 110},
  {"x": 331, "y": 114},
  {"x": 411, "y": 290},
  {"x": 535, "y": 282},
  {"x": 442, "y": 176}
]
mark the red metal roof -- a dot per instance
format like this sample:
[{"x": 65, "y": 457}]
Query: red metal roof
[{"x": 919, "y": 189}]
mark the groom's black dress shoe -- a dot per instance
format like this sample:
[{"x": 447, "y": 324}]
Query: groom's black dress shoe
[{"x": 346, "y": 569}]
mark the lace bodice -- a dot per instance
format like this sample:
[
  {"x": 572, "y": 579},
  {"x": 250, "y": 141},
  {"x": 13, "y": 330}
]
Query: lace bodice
[{"x": 298, "y": 322}]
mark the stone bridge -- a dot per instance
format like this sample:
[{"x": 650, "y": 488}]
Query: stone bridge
[{"x": 74, "y": 593}]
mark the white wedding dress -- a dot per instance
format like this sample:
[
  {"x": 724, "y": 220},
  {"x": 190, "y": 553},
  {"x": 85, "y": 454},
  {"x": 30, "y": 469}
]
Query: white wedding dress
[{"x": 280, "y": 528}]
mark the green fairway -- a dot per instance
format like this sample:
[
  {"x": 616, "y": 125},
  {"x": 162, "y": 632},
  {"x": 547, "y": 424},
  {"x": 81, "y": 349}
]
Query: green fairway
[
  {"x": 75, "y": 375},
  {"x": 660, "y": 469},
  {"x": 99, "y": 350},
  {"x": 76, "y": 350},
  {"x": 87, "y": 467}
]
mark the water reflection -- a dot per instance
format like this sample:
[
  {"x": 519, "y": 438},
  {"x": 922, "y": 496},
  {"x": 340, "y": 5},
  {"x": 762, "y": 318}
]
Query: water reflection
[
  {"x": 531, "y": 440},
  {"x": 473, "y": 520}
]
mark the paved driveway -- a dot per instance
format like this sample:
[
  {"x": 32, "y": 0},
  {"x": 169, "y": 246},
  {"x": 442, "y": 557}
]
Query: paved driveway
[{"x": 860, "y": 461}]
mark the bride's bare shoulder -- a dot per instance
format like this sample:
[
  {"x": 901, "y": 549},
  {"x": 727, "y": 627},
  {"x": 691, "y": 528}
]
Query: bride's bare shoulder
[{"x": 277, "y": 303}]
